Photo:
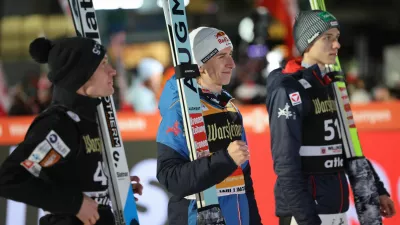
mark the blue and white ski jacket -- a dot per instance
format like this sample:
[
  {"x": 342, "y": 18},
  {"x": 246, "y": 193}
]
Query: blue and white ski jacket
[{"x": 183, "y": 178}]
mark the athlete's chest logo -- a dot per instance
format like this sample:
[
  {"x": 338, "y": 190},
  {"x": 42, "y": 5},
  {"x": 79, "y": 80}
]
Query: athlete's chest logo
[{"x": 93, "y": 145}]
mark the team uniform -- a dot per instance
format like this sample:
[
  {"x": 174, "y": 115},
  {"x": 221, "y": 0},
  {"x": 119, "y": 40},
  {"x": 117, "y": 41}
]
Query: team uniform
[
  {"x": 306, "y": 147},
  {"x": 60, "y": 158},
  {"x": 58, "y": 161},
  {"x": 183, "y": 178}
]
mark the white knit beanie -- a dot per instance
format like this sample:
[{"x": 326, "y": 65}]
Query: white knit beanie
[
  {"x": 207, "y": 42},
  {"x": 148, "y": 67}
]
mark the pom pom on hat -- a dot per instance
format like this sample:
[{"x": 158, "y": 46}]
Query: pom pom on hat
[
  {"x": 39, "y": 49},
  {"x": 72, "y": 61}
]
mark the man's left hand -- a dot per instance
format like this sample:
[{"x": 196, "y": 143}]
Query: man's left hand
[
  {"x": 136, "y": 186},
  {"x": 387, "y": 206}
]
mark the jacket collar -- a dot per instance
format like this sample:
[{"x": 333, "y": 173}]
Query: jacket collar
[
  {"x": 82, "y": 105},
  {"x": 310, "y": 73},
  {"x": 220, "y": 99}
]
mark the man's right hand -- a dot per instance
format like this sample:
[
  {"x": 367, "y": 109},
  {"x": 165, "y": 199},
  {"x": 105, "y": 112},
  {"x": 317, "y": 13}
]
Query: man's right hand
[
  {"x": 88, "y": 213},
  {"x": 239, "y": 152}
]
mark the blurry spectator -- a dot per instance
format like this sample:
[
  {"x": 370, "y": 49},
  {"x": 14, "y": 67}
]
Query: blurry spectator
[
  {"x": 358, "y": 94},
  {"x": 142, "y": 94},
  {"x": 116, "y": 49},
  {"x": 44, "y": 92},
  {"x": 116, "y": 27},
  {"x": 168, "y": 73},
  {"x": 24, "y": 97},
  {"x": 3, "y": 111},
  {"x": 382, "y": 94},
  {"x": 248, "y": 83},
  {"x": 4, "y": 95}
]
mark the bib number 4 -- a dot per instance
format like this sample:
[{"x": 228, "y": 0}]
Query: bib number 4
[{"x": 99, "y": 175}]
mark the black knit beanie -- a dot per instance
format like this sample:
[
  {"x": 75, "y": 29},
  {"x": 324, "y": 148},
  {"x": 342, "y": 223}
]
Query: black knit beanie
[
  {"x": 309, "y": 25},
  {"x": 72, "y": 61}
]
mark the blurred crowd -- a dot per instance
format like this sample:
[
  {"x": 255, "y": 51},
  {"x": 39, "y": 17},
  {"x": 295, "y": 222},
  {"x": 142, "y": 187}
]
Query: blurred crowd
[{"x": 138, "y": 89}]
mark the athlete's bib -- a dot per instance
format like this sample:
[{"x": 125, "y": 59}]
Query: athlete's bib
[{"x": 234, "y": 184}]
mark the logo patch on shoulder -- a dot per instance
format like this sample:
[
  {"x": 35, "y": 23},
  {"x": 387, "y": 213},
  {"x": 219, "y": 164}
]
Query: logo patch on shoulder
[
  {"x": 57, "y": 143},
  {"x": 52, "y": 158},
  {"x": 40, "y": 152},
  {"x": 27, "y": 164},
  {"x": 175, "y": 129},
  {"x": 285, "y": 112},
  {"x": 295, "y": 98},
  {"x": 32, "y": 167},
  {"x": 304, "y": 83},
  {"x": 74, "y": 116}
]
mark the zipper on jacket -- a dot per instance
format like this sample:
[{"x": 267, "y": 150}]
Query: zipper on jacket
[
  {"x": 314, "y": 189},
  {"x": 341, "y": 192},
  {"x": 238, "y": 207}
]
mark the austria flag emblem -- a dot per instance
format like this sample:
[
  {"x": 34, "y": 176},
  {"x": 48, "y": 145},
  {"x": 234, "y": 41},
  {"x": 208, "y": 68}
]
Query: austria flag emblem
[{"x": 295, "y": 98}]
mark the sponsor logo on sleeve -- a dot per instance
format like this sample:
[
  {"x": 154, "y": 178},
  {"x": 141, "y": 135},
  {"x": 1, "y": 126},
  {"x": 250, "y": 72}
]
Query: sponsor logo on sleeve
[
  {"x": 286, "y": 112},
  {"x": 32, "y": 167},
  {"x": 174, "y": 129},
  {"x": 57, "y": 143},
  {"x": 52, "y": 158},
  {"x": 305, "y": 83},
  {"x": 40, "y": 151},
  {"x": 74, "y": 116}
]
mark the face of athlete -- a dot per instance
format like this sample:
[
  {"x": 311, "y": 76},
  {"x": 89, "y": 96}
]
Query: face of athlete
[
  {"x": 325, "y": 49},
  {"x": 101, "y": 82},
  {"x": 218, "y": 70}
]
